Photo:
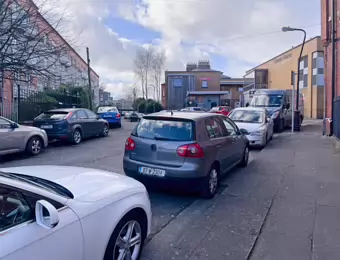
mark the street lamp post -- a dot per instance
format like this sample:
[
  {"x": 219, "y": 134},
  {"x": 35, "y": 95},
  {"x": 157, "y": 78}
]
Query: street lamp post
[{"x": 297, "y": 119}]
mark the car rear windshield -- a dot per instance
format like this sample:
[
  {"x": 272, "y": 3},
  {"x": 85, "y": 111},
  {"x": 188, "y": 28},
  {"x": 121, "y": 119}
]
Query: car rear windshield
[
  {"x": 162, "y": 129},
  {"x": 53, "y": 115},
  {"x": 107, "y": 109}
]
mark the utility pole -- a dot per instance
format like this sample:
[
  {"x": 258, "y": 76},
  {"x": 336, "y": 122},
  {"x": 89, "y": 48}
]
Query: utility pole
[{"x": 89, "y": 75}]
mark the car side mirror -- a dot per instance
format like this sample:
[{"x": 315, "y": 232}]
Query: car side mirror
[
  {"x": 98, "y": 117},
  {"x": 287, "y": 106},
  {"x": 247, "y": 104},
  {"x": 244, "y": 131},
  {"x": 46, "y": 214},
  {"x": 14, "y": 125}
]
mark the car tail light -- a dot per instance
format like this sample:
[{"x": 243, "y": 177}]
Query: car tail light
[
  {"x": 130, "y": 145},
  {"x": 118, "y": 116},
  {"x": 191, "y": 151}
]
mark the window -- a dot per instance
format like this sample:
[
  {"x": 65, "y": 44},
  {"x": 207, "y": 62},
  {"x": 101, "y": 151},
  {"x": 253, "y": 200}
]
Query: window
[
  {"x": 162, "y": 129},
  {"x": 14, "y": 209},
  {"x": 214, "y": 128},
  {"x": 232, "y": 130},
  {"x": 178, "y": 82},
  {"x": 81, "y": 114},
  {"x": 90, "y": 114},
  {"x": 4, "y": 124},
  {"x": 204, "y": 83},
  {"x": 57, "y": 115},
  {"x": 247, "y": 116},
  {"x": 107, "y": 109}
]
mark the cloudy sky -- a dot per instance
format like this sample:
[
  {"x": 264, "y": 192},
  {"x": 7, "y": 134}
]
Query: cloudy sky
[{"x": 235, "y": 35}]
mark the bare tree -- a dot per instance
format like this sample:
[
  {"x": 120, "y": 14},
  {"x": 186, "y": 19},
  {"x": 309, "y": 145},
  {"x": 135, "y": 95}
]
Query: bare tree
[
  {"x": 30, "y": 47},
  {"x": 143, "y": 67},
  {"x": 157, "y": 69}
]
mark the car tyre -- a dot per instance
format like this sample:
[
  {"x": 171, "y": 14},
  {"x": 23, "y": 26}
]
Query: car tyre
[
  {"x": 119, "y": 125},
  {"x": 282, "y": 125},
  {"x": 77, "y": 136},
  {"x": 210, "y": 183},
  {"x": 34, "y": 145},
  {"x": 120, "y": 240},
  {"x": 245, "y": 157},
  {"x": 106, "y": 131}
]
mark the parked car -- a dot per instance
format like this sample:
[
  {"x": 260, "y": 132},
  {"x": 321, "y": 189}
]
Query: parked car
[
  {"x": 194, "y": 149},
  {"x": 127, "y": 115},
  {"x": 16, "y": 138},
  {"x": 258, "y": 123},
  {"x": 71, "y": 124},
  {"x": 135, "y": 117},
  {"x": 71, "y": 213},
  {"x": 111, "y": 115},
  {"x": 224, "y": 110},
  {"x": 279, "y": 105}
]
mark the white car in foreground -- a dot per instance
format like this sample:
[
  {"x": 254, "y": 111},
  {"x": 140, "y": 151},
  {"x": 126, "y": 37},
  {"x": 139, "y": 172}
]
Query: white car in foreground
[
  {"x": 258, "y": 123},
  {"x": 71, "y": 213}
]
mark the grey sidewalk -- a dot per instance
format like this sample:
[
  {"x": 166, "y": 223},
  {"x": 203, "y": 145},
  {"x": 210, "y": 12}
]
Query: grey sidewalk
[{"x": 285, "y": 205}]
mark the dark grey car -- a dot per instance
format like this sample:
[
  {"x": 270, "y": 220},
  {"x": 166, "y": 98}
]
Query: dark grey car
[{"x": 194, "y": 149}]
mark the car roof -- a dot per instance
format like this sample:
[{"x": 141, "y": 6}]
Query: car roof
[
  {"x": 250, "y": 108},
  {"x": 180, "y": 115},
  {"x": 64, "y": 109}
]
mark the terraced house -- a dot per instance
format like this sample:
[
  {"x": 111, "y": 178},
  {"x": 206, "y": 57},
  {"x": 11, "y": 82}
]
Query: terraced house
[{"x": 34, "y": 56}]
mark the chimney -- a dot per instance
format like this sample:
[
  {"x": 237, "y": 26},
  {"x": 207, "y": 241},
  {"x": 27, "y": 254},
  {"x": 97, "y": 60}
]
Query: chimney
[
  {"x": 191, "y": 66},
  {"x": 204, "y": 64}
]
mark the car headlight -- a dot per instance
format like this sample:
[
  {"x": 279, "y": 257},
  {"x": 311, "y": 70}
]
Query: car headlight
[
  {"x": 275, "y": 114},
  {"x": 258, "y": 133}
]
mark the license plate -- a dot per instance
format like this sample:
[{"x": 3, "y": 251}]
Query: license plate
[
  {"x": 152, "y": 171},
  {"x": 46, "y": 126},
  {"x": 108, "y": 116}
]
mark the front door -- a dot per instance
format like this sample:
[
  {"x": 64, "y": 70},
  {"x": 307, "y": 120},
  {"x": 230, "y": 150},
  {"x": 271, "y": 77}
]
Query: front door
[
  {"x": 84, "y": 122},
  {"x": 95, "y": 124},
  {"x": 22, "y": 238},
  {"x": 237, "y": 140}
]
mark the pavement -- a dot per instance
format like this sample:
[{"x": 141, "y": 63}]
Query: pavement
[{"x": 284, "y": 205}]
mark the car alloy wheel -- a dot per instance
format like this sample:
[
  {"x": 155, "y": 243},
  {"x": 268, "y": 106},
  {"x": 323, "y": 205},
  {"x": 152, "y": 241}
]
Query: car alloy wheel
[
  {"x": 129, "y": 242},
  {"x": 105, "y": 131},
  {"x": 246, "y": 154},
  {"x": 34, "y": 146},
  {"x": 76, "y": 136},
  {"x": 213, "y": 181}
]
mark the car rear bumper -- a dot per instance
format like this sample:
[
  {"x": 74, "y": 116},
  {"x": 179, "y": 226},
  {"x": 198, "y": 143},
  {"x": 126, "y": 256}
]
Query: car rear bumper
[
  {"x": 111, "y": 120},
  {"x": 187, "y": 171},
  {"x": 60, "y": 136}
]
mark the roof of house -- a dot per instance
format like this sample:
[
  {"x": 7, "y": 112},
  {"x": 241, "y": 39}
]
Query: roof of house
[{"x": 316, "y": 37}]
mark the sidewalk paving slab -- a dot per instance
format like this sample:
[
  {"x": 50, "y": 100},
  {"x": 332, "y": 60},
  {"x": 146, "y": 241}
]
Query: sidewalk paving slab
[{"x": 284, "y": 205}]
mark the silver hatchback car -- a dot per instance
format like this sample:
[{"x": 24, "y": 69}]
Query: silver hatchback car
[
  {"x": 19, "y": 138},
  {"x": 194, "y": 149}
]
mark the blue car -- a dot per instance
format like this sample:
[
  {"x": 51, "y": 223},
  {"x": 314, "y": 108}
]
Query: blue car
[{"x": 111, "y": 115}]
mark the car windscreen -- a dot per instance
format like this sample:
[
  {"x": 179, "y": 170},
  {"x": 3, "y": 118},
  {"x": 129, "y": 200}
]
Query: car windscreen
[
  {"x": 59, "y": 115},
  {"x": 267, "y": 100},
  {"x": 163, "y": 129},
  {"x": 247, "y": 116},
  {"x": 107, "y": 109}
]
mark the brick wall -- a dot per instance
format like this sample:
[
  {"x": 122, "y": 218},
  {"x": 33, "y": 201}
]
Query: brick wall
[{"x": 326, "y": 36}]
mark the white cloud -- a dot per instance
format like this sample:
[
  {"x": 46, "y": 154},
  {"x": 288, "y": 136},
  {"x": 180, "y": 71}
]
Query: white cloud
[{"x": 236, "y": 29}]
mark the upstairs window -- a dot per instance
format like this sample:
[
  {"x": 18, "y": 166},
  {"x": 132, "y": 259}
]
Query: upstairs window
[{"x": 204, "y": 83}]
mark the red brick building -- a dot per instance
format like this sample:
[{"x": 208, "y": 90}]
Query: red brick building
[{"x": 330, "y": 38}]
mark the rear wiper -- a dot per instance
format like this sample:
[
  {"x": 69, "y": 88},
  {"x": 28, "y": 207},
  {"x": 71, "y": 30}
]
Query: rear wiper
[{"x": 165, "y": 138}]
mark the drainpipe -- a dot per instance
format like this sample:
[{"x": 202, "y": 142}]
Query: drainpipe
[{"x": 333, "y": 62}]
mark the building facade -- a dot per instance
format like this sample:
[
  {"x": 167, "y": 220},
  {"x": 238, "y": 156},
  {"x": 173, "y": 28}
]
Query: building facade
[
  {"x": 330, "y": 35},
  {"x": 276, "y": 73},
  {"x": 68, "y": 68},
  {"x": 199, "y": 85}
]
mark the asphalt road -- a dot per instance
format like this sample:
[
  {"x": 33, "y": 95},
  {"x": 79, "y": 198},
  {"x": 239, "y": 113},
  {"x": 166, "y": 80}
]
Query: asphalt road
[{"x": 106, "y": 154}]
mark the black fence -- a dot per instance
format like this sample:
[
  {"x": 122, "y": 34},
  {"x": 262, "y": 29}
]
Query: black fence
[
  {"x": 336, "y": 117},
  {"x": 32, "y": 103}
]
